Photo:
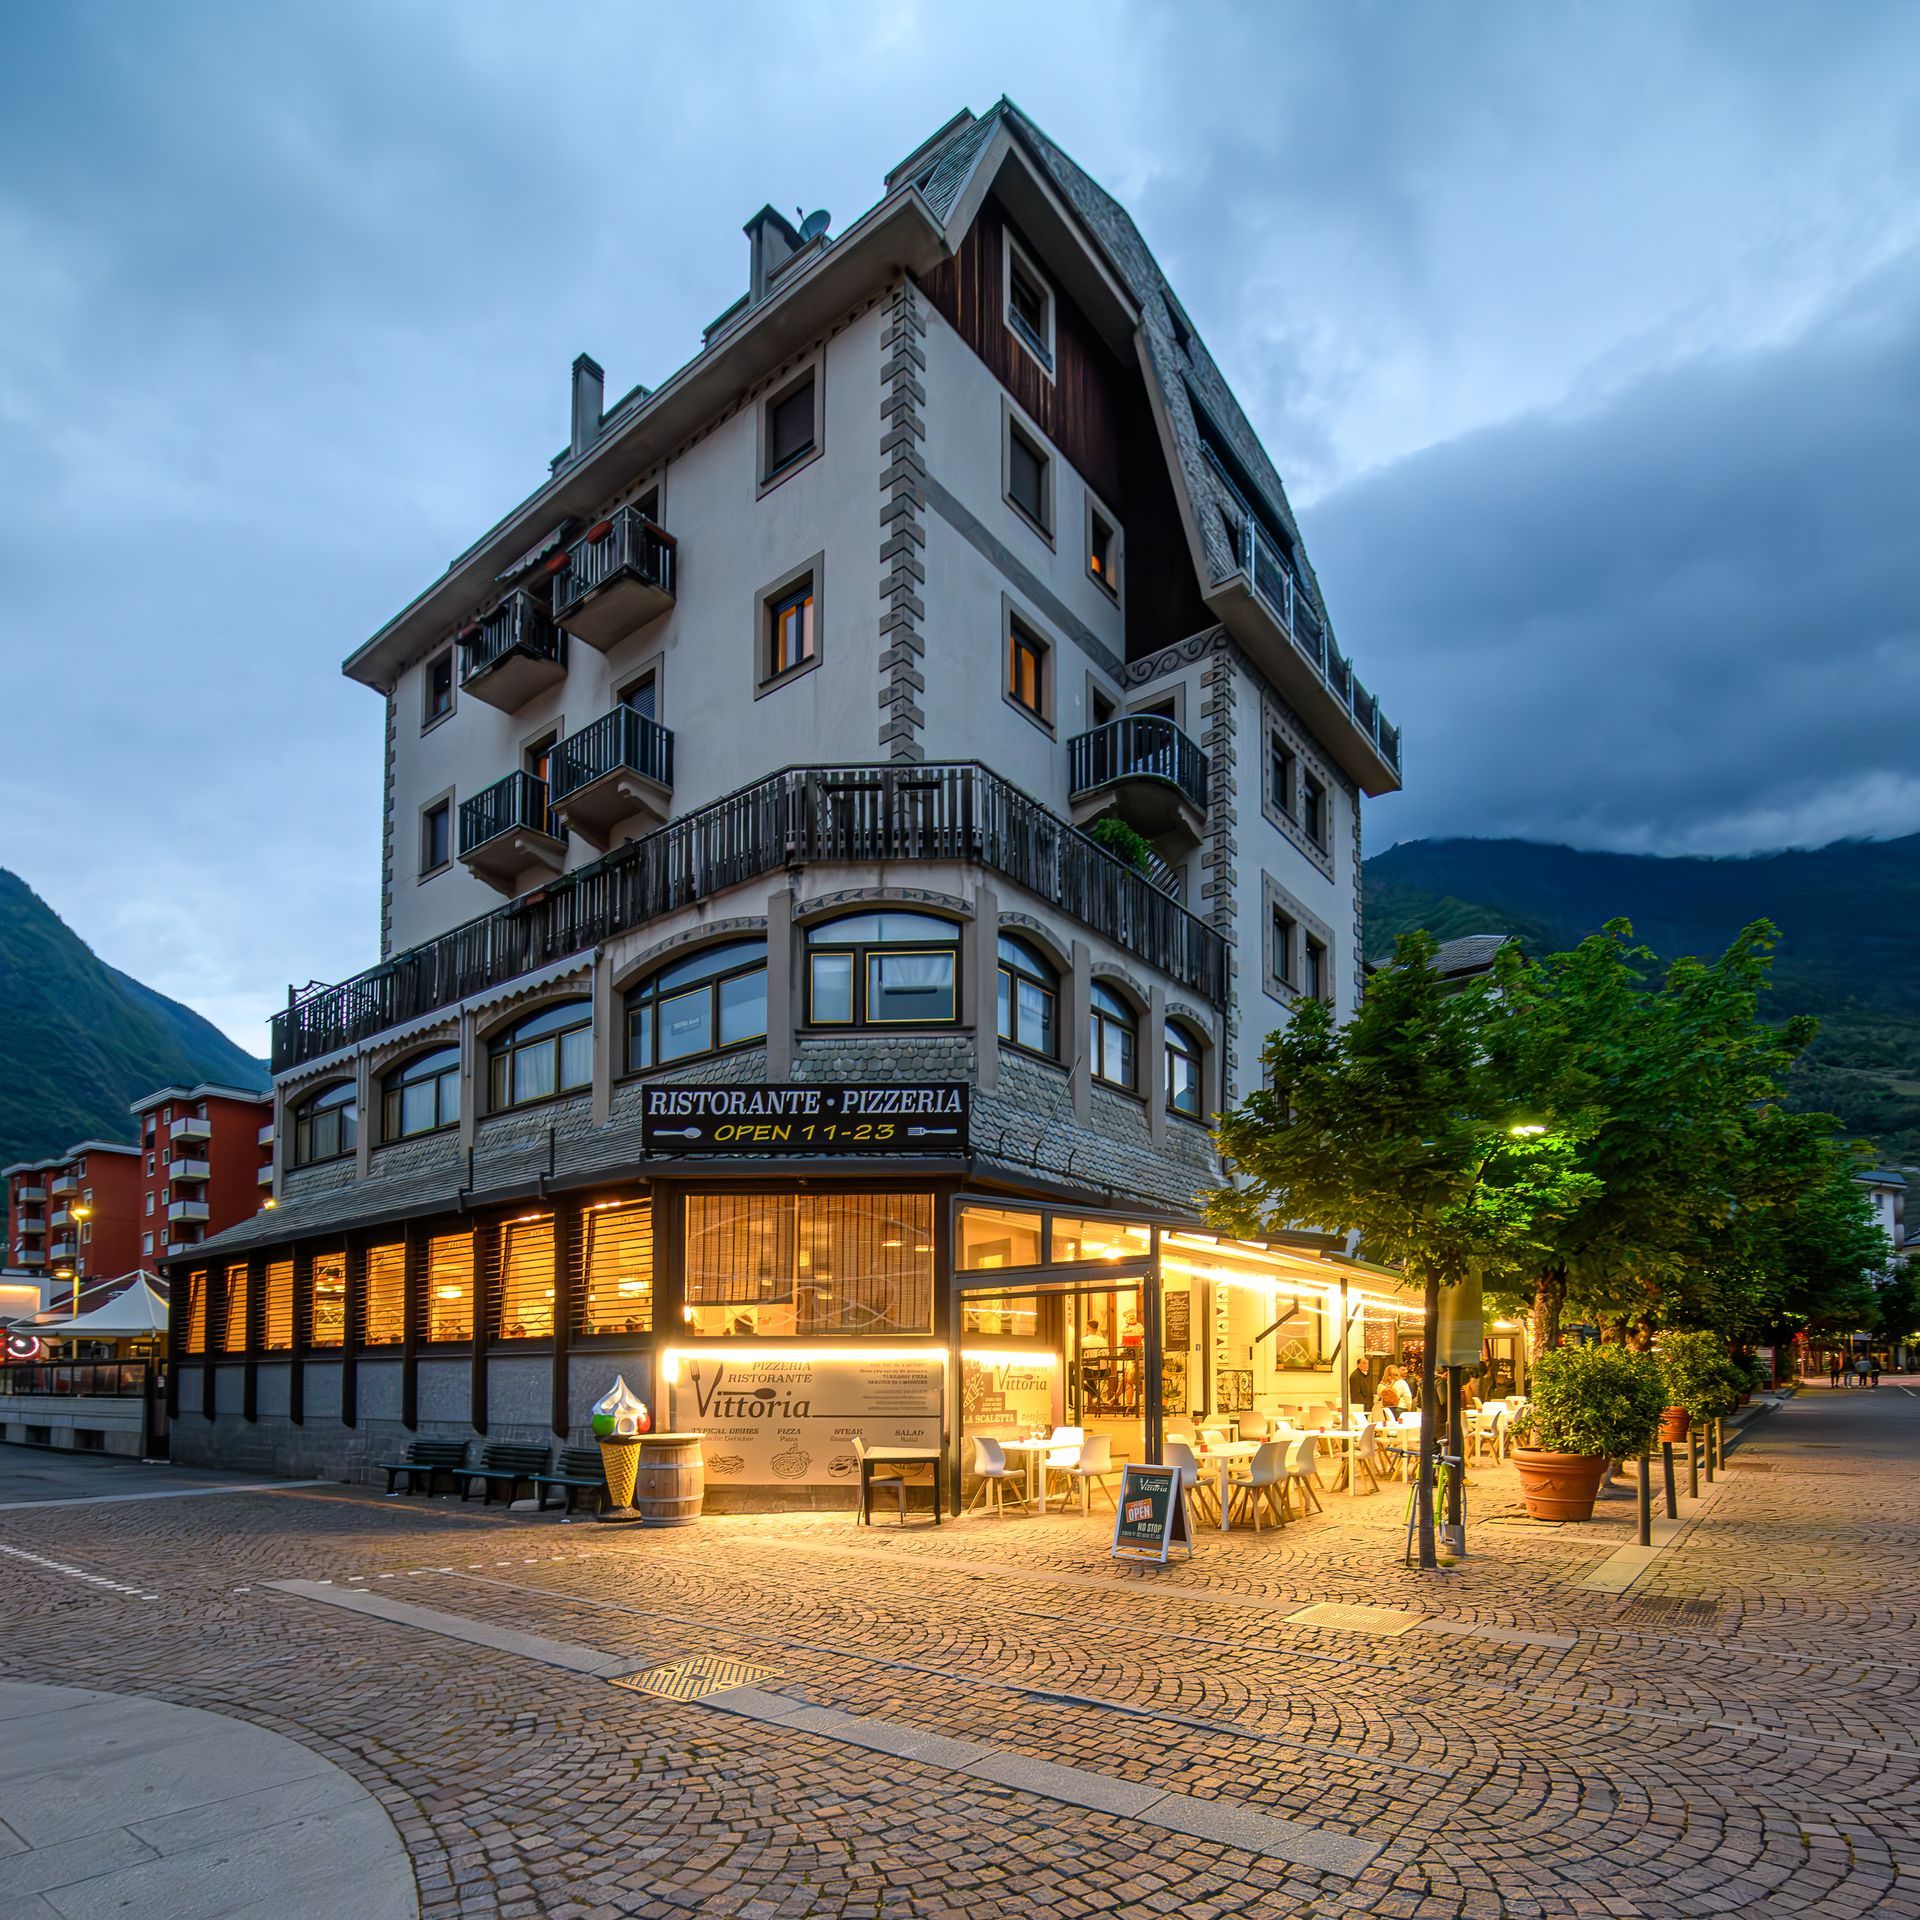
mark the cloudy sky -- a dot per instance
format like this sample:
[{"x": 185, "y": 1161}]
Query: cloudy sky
[{"x": 1588, "y": 339}]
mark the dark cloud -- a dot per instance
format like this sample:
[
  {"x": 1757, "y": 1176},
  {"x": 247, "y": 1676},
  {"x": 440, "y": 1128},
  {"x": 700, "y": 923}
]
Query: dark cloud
[{"x": 1687, "y": 619}]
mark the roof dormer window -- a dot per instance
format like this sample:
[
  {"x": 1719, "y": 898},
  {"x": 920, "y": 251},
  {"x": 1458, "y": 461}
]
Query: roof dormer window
[{"x": 1029, "y": 305}]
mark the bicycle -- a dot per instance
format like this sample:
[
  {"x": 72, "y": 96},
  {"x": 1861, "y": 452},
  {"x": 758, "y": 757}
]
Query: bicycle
[{"x": 1444, "y": 1467}]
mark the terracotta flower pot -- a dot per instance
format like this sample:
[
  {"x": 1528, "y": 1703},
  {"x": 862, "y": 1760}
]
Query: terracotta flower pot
[
  {"x": 1746, "y": 1399},
  {"x": 1559, "y": 1486},
  {"x": 1674, "y": 1424}
]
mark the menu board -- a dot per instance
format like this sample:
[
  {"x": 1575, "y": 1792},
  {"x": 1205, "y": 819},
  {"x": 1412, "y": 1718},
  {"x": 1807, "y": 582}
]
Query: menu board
[
  {"x": 1152, "y": 1515},
  {"x": 791, "y": 1419},
  {"x": 1008, "y": 1391},
  {"x": 1178, "y": 1319}
]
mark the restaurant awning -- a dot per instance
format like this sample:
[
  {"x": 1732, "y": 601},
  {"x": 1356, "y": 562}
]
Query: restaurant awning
[{"x": 138, "y": 1313}]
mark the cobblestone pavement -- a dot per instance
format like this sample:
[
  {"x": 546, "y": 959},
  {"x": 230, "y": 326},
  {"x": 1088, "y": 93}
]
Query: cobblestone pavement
[{"x": 1732, "y": 1734}]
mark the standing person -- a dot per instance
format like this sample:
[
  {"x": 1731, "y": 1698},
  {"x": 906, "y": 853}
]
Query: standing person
[
  {"x": 1360, "y": 1386},
  {"x": 1833, "y": 1368},
  {"x": 1873, "y": 1372},
  {"x": 1860, "y": 1371}
]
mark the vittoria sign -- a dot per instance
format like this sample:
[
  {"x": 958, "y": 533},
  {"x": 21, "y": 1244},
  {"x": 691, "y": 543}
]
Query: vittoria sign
[{"x": 820, "y": 1116}]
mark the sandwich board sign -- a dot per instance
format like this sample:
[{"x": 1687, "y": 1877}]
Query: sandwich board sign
[{"x": 1152, "y": 1515}]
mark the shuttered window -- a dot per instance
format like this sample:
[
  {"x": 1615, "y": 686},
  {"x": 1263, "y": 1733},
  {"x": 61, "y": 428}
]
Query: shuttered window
[
  {"x": 525, "y": 1293},
  {"x": 449, "y": 1314},
  {"x": 235, "y": 1340},
  {"x": 385, "y": 1324},
  {"x": 197, "y": 1312},
  {"x": 616, "y": 1291},
  {"x": 329, "y": 1328},
  {"x": 279, "y": 1305}
]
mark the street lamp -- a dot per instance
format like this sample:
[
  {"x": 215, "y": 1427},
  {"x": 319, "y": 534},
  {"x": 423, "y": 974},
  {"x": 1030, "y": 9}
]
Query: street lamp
[{"x": 81, "y": 1215}]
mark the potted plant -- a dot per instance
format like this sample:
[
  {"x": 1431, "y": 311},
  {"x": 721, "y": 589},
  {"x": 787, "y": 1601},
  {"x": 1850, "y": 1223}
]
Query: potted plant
[
  {"x": 1693, "y": 1367},
  {"x": 1589, "y": 1405},
  {"x": 1123, "y": 842}
]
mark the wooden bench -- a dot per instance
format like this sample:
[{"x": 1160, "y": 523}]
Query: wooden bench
[
  {"x": 503, "y": 1465},
  {"x": 424, "y": 1459},
  {"x": 578, "y": 1472}
]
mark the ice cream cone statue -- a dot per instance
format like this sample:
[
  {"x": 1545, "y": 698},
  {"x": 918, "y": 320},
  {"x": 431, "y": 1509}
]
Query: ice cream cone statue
[{"x": 620, "y": 1417}]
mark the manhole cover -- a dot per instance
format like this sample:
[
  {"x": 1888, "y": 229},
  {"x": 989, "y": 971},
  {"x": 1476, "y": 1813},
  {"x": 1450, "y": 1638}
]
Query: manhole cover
[
  {"x": 1673, "y": 1611},
  {"x": 1388, "y": 1620},
  {"x": 694, "y": 1679}
]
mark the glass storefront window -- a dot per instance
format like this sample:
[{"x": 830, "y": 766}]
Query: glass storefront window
[
  {"x": 385, "y": 1320},
  {"x": 197, "y": 1311},
  {"x": 279, "y": 1305},
  {"x": 617, "y": 1296},
  {"x": 831, "y": 1263},
  {"x": 236, "y": 1326},
  {"x": 526, "y": 1280},
  {"x": 1076, "y": 1240},
  {"x": 1006, "y": 1316},
  {"x": 990, "y": 1237},
  {"x": 450, "y": 1287},
  {"x": 329, "y": 1300}
]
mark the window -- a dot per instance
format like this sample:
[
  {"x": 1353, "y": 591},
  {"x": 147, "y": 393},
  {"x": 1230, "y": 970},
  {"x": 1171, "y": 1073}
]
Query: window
[
  {"x": 883, "y": 969},
  {"x": 146, "y": 1243},
  {"x": 790, "y": 430},
  {"x": 1076, "y": 1240},
  {"x": 449, "y": 1314},
  {"x": 1313, "y": 969},
  {"x": 712, "y": 1000},
  {"x": 1103, "y": 550},
  {"x": 547, "y": 1053},
  {"x": 149, "y": 1163},
  {"x": 643, "y": 696},
  {"x": 617, "y": 1296},
  {"x": 423, "y": 1096},
  {"x": 1280, "y": 957},
  {"x": 808, "y": 1264},
  {"x": 436, "y": 837},
  {"x": 1183, "y": 1071},
  {"x": 1029, "y": 997},
  {"x": 1029, "y": 481},
  {"x": 197, "y": 1312},
  {"x": 1112, "y": 1030},
  {"x": 329, "y": 1300},
  {"x": 790, "y": 633},
  {"x": 326, "y": 1127},
  {"x": 279, "y": 1306},
  {"x": 234, "y": 1334},
  {"x": 990, "y": 1237},
  {"x": 1100, "y": 707},
  {"x": 1280, "y": 773},
  {"x": 385, "y": 1323},
  {"x": 1029, "y": 305},
  {"x": 525, "y": 1293},
  {"x": 439, "y": 687},
  {"x": 1313, "y": 809},
  {"x": 1026, "y": 668},
  {"x": 149, "y": 1205}
]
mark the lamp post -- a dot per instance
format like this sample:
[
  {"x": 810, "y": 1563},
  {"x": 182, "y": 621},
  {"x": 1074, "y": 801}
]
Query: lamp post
[{"x": 81, "y": 1215}]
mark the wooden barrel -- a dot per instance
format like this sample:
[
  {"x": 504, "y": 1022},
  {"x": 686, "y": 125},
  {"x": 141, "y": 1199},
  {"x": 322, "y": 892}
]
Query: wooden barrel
[{"x": 672, "y": 1480}]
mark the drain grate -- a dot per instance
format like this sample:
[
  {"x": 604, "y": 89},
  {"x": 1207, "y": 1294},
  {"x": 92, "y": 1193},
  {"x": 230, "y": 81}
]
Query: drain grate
[
  {"x": 694, "y": 1679},
  {"x": 1671, "y": 1610},
  {"x": 1392, "y": 1621}
]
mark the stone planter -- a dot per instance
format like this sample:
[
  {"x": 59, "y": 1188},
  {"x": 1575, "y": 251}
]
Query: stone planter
[
  {"x": 1674, "y": 1424},
  {"x": 1559, "y": 1486}
]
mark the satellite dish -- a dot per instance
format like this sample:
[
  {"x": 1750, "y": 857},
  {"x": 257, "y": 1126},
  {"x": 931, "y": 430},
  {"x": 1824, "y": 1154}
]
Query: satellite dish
[{"x": 815, "y": 224}]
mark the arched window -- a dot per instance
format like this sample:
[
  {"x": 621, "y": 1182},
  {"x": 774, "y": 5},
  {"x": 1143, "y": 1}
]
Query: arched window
[
  {"x": 422, "y": 1096},
  {"x": 1183, "y": 1070},
  {"x": 883, "y": 970},
  {"x": 712, "y": 1000},
  {"x": 1029, "y": 997},
  {"x": 325, "y": 1127},
  {"x": 1113, "y": 1028},
  {"x": 548, "y": 1052}
]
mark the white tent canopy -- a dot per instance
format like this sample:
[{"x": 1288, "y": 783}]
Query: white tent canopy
[{"x": 138, "y": 1313}]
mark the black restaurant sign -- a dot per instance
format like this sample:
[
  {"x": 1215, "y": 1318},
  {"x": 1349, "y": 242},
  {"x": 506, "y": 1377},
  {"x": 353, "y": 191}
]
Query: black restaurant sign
[
  {"x": 1151, "y": 1516},
  {"x": 817, "y": 1116}
]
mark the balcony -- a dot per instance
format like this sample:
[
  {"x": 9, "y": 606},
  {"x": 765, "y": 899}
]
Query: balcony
[
  {"x": 265, "y": 1176},
  {"x": 185, "y": 1245},
  {"x": 63, "y": 1185},
  {"x": 189, "y": 1170},
  {"x": 187, "y": 1210},
  {"x": 1141, "y": 769},
  {"x": 266, "y": 1135},
  {"x": 513, "y": 654},
  {"x": 67, "y": 1249},
  {"x": 30, "y": 1257},
  {"x": 618, "y": 577},
  {"x": 33, "y": 1223},
  {"x": 60, "y": 1217},
  {"x": 957, "y": 813},
  {"x": 29, "y": 1196},
  {"x": 508, "y": 833},
  {"x": 190, "y": 1127},
  {"x": 619, "y": 768}
]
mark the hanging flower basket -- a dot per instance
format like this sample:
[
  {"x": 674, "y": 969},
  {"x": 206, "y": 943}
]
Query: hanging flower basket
[{"x": 599, "y": 531}]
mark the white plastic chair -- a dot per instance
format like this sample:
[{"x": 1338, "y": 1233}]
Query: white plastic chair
[
  {"x": 1300, "y": 1472},
  {"x": 1263, "y": 1485},
  {"x": 995, "y": 1476},
  {"x": 1063, "y": 1451},
  {"x": 1254, "y": 1426},
  {"x": 1182, "y": 1457},
  {"x": 1214, "y": 1436},
  {"x": 1365, "y": 1454},
  {"x": 1490, "y": 1430},
  {"x": 1094, "y": 1468}
]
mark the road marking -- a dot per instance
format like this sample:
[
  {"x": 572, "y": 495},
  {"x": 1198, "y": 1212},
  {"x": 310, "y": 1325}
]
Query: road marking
[
  {"x": 76, "y": 1573},
  {"x": 172, "y": 1493}
]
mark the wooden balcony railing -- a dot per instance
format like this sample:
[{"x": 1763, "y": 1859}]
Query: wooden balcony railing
[
  {"x": 1138, "y": 746},
  {"x": 517, "y": 801},
  {"x": 851, "y": 814}
]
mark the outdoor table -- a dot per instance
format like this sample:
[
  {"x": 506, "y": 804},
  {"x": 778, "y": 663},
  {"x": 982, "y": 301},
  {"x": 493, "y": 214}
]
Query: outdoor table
[
  {"x": 1036, "y": 1452},
  {"x": 896, "y": 1457},
  {"x": 1404, "y": 1441},
  {"x": 1226, "y": 1456},
  {"x": 1344, "y": 1440}
]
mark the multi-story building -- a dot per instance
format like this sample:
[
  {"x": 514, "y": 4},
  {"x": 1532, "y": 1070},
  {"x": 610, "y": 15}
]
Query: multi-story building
[
  {"x": 846, "y": 831},
  {"x": 75, "y": 1216},
  {"x": 206, "y": 1161}
]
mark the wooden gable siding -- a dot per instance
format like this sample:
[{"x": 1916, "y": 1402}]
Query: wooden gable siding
[{"x": 1095, "y": 411}]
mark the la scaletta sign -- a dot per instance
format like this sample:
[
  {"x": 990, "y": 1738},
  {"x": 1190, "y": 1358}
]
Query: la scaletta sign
[{"x": 821, "y": 1116}]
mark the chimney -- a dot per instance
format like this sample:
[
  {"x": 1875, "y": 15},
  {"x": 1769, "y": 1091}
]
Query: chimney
[
  {"x": 589, "y": 402},
  {"x": 772, "y": 239}
]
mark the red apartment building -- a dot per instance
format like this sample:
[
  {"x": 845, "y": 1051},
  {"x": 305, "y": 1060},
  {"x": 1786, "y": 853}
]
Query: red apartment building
[
  {"x": 205, "y": 1164},
  {"x": 77, "y": 1215}
]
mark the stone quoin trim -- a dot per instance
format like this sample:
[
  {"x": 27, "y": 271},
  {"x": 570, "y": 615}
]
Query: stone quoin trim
[
  {"x": 1218, "y": 894},
  {"x": 388, "y": 803},
  {"x": 903, "y": 536}
]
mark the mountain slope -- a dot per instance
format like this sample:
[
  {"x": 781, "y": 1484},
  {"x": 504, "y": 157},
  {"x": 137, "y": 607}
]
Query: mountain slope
[
  {"x": 1846, "y": 914},
  {"x": 80, "y": 1040}
]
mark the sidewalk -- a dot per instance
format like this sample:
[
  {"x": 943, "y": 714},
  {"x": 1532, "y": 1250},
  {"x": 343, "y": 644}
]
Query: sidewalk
[{"x": 114, "y": 1804}]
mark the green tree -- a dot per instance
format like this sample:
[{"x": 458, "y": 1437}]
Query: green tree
[{"x": 1396, "y": 1127}]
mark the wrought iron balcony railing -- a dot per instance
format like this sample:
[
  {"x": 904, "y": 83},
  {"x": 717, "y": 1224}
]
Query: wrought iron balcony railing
[
  {"x": 519, "y": 625},
  {"x": 518, "y": 801},
  {"x": 1138, "y": 746},
  {"x": 622, "y": 741}
]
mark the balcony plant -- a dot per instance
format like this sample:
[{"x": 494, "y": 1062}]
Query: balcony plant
[
  {"x": 1697, "y": 1374},
  {"x": 1126, "y": 844},
  {"x": 1588, "y": 1405}
]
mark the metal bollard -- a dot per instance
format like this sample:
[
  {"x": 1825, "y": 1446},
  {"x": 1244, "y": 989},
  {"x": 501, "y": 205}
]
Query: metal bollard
[
  {"x": 1673, "y": 1504},
  {"x": 1646, "y": 1499},
  {"x": 1706, "y": 1452}
]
